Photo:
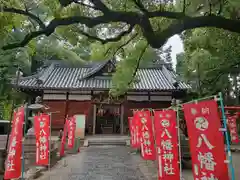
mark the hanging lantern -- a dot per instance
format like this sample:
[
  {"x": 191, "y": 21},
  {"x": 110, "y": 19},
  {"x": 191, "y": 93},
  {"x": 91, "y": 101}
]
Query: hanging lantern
[
  {"x": 118, "y": 113},
  {"x": 100, "y": 112}
]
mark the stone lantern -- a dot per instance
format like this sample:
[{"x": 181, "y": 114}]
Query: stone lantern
[{"x": 36, "y": 108}]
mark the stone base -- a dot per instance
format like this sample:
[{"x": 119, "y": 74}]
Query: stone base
[{"x": 32, "y": 173}]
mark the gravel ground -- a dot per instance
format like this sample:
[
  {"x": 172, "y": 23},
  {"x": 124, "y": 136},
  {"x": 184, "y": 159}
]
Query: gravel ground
[{"x": 97, "y": 163}]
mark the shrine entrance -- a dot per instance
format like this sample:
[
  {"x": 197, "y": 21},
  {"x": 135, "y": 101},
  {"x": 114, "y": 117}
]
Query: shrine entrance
[
  {"x": 107, "y": 119},
  {"x": 107, "y": 114}
]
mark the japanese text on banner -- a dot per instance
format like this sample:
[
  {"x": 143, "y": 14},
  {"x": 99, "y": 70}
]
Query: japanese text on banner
[
  {"x": 134, "y": 127},
  {"x": 232, "y": 124},
  {"x": 13, "y": 162},
  {"x": 166, "y": 144},
  {"x": 42, "y": 132},
  {"x": 208, "y": 156},
  {"x": 147, "y": 140},
  {"x": 132, "y": 132},
  {"x": 71, "y": 131}
]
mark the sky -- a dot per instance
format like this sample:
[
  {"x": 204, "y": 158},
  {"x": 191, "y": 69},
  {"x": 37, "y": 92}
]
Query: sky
[{"x": 177, "y": 47}]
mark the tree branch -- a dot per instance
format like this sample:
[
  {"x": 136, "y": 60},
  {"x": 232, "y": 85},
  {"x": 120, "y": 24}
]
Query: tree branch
[
  {"x": 220, "y": 7},
  {"x": 140, "y": 5},
  {"x": 184, "y": 6},
  {"x": 122, "y": 45},
  {"x": 159, "y": 39},
  {"x": 65, "y": 3},
  {"x": 25, "y": 13},
  {"x": 138, "y": 64},
  {"x": 210, "y": 7},
  {"x": 221, "y": 72},
  {"x": 214, "y": 80},
  {"x": 85, "y": 5},
  {"x": 155, "y": 39},
  {"x": 114, "y": 39},
  {"x": 25, "y": 41},
  {"x": 90, "y": 22},
  {"x": 98, "y": 4}
]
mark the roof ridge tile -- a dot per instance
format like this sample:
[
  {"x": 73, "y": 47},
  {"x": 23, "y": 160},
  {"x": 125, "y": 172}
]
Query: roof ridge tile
[{"x": 71, "y": 78}]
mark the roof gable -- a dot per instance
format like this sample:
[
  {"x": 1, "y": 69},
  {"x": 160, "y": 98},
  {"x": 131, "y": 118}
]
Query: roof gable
[{"x": 101, "y": 69}]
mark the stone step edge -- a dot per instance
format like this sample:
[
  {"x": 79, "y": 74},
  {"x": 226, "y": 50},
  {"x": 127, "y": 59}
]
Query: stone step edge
[
  {"x": 106, "y": 144},
  {"x": 235, "y": 149}
]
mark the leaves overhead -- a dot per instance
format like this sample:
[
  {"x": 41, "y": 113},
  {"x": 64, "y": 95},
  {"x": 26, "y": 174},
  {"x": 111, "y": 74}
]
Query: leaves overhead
[
  {"x": 127, "y": 68},
  {"x": 210, "y": 61},
  {"x": 157, "y": 20},
  {"x": 211, "y": 58}
]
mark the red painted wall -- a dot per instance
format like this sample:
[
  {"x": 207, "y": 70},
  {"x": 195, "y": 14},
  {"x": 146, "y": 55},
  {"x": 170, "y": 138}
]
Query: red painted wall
[
  {"x": 57, "y": 118},
  {"x": 74, "y": 107},
  {"x": 81, "y": 107}
]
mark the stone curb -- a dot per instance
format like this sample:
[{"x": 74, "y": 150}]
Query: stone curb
[
  {"x": 233, "y": 148},
  {"x": 39, "y": 172},
  {"x": 85, "y": 144},
  {"x": 33, "y": 174}
]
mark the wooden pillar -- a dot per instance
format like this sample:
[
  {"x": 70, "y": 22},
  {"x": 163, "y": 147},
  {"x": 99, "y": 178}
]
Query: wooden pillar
[
  {"x": 94, "y": 118},
  {"x": 66, "y": 106},
  {"x": 122, "y": 119}
]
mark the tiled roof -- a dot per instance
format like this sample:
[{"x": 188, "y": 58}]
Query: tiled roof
[{"x": 57, "y": 77}]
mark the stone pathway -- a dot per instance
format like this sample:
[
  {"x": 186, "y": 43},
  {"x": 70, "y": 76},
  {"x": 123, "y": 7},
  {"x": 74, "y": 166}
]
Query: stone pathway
[
  {"x": 111, "y": 163},
  {"x": 97, "y": 163}
]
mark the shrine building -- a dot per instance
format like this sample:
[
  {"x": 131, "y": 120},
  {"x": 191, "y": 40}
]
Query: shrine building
[{"x": 84, "y": 90}]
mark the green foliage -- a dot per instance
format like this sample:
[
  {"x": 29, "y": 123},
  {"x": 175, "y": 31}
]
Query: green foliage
[
  {"x": 125, "y": 75},
  {"x": 210, "y": 59},
  {"x": 180, "y": 64},
  {"x": 100, "y": 52},
  {"x": 6, "y": 107}
]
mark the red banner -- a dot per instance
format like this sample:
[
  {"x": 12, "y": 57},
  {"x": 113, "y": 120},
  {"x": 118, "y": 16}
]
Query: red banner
[
  {"x": 134, "y": 131},
  {"x": 206, "y": 140},
  {"x": 137, "y": 131},
  {"x": 71, "y": 131},
  {"x": 167, "y": 144},
  {"x": 63, "y": 140},
  {"x": 232, "y": 124},
  {"x": 13, "y": 163},
  {"x": 147, "y": 140},
  {"x": 42, "y": 132}
]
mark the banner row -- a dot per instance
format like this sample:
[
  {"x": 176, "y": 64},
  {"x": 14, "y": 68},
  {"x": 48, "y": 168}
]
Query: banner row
[
  {"x": 42, "y": 129},
  {"x": 158, "y": 139}
]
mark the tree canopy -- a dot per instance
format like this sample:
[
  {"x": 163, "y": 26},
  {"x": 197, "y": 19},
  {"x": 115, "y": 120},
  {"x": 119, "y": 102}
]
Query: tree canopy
[
  {"x": 155, "y": 20},
  {"x": 211, "y": 61}
]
